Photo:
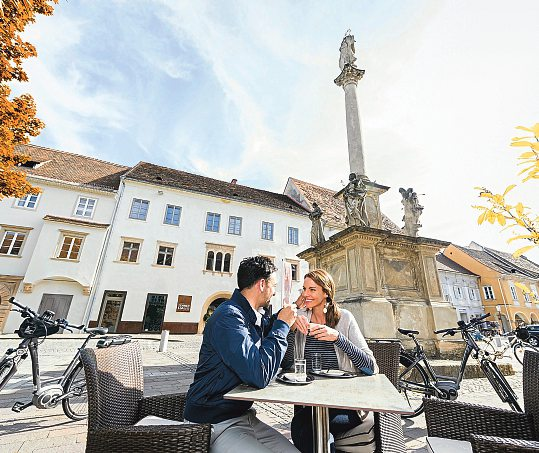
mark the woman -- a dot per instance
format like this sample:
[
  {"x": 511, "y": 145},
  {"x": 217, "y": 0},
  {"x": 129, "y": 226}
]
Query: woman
[{"x": 322, "y": 327}]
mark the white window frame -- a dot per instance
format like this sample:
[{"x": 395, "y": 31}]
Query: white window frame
[
  {"x": 291, "y": 229},
  {"x": 298, "y": 269},
  {"x": 26, "y": 201},
  {"x": 122, "y": 243},
  {"x": 235, "y": 218},
  {"x": 513, "y": 290},
  {"x": 17, "y": 230},
  {"x": 71, "y": 234},
  {"x": 471, "y": 293},
  {"x": 173, "y": 246},
  {"x": 272, "y": 231},
  {"x": 85, "y": 207},
  {"x": 488, "y": 292},
  {"x": 141, "y": 200},
  {"x": 174, "y": 208},
  {"x": 458, "y": 292}
]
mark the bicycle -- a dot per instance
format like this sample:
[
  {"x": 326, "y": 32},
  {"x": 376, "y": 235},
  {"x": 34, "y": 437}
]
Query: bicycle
[
  {"x": 68, "y": 389},
  {"x": 419, "y": 380},
  {"x": 516, "y": 340}
]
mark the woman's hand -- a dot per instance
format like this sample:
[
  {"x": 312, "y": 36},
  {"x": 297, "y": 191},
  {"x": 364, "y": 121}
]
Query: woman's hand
[
  {"x": 302, "y": 324},
  {"x": 300, "y": 302},
  {"x": 322, "y": 332}
]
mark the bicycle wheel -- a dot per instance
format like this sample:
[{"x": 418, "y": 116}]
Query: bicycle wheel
[
  {"x": 414, "y": 385},
  {"x": 76, "y": 405},
  {"x": 7, "y": 369},
  {"x": 518, "y": 352},
  {"x": 500, "y": 384}
]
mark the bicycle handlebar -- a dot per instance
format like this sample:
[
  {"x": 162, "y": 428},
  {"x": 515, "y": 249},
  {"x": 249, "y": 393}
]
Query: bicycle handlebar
[
  {"x": 63, "y": 323},
  {"x": 462, "y": 325}
]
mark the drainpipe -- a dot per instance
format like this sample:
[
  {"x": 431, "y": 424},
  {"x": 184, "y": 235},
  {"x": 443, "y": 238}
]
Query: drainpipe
[
  {"x": 504, "y": 304},
  {"x": 102, "y": 256}
]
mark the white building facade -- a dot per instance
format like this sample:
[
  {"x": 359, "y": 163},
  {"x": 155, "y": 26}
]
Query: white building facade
[
  {"x": 460, "y": 287},
  {"x": 141, "y": 249}
]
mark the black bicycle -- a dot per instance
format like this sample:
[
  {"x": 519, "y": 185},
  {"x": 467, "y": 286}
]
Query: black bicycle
[
  {"x": 418, "y": 380},
  {"x": 69, "y": 388}
]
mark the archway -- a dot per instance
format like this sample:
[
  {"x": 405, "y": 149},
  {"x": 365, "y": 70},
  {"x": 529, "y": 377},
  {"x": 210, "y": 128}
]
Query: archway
[
  {"x": 520, "y": 319},
  {"x": 534, "y": 319},
  {"x": 211, "y": 304}
]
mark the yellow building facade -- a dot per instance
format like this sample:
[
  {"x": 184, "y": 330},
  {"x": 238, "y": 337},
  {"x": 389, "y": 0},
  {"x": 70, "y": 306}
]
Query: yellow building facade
[{"x": 499, "y": 274}]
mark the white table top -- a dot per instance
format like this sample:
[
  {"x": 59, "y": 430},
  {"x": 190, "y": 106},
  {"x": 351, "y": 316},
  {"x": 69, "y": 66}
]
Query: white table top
[{"x": 371, "y": 393}]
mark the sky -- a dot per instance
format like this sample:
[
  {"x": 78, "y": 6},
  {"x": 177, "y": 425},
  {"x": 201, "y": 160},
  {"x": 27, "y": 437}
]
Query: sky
[{"x": 244, "y": 89}]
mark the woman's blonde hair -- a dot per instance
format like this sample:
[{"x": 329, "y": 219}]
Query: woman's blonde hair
[{"x": 325, "y": 280}]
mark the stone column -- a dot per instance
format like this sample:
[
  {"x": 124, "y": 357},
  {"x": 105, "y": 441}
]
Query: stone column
[{"x": 348, "y": 79}]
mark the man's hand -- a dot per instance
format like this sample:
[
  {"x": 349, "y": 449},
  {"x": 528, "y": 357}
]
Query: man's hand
[
  {"x": 302, "y": 324},
  {"x": 288, "y": 314},
  {"x": 322, "y": 332}
]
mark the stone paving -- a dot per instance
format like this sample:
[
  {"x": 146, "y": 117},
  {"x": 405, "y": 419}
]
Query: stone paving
[{"x": 50, "y": 431}]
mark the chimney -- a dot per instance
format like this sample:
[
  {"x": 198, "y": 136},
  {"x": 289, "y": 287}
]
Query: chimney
[{"x": 234, "y": 181}]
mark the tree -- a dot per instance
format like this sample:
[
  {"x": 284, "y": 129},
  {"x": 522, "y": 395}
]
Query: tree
[{"x": 17, "y": 115}]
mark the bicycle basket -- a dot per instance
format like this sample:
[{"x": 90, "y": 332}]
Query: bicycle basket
[{"x": 31, "y": 329}]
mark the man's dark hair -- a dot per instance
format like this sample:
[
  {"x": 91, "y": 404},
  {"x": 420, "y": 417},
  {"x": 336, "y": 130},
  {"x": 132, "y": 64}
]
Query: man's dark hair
[{"x": 253, "y": 269}]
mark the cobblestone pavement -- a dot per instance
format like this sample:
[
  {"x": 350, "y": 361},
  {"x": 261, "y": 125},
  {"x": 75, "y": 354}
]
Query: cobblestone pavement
[{"x": 50, "y": 431}]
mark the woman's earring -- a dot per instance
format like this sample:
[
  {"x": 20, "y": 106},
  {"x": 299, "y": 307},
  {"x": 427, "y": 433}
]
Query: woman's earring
[{"x": 325, "y": 310}]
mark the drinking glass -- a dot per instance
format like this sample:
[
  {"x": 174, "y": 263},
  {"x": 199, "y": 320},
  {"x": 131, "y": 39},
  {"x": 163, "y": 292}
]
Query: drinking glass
[
  {"x": 316, "y": 362},
  {"x": 300, "y": 370}
]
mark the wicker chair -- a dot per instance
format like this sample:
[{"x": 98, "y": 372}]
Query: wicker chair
[
  {"x": 388, "y": 427},
  {"x": 115, "y": 384},
  {"x": 491, "y": 429}
]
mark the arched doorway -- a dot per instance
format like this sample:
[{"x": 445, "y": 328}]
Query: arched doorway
[
  {"x": 212, "y": 308},
  {"x": 520, "y": 319},
  {"x": 209, "y": 307},
  {"x": 7, "y": 289}
]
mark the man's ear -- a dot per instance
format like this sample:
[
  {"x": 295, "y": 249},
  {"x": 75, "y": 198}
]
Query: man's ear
[{"x": 261, "y": 284}]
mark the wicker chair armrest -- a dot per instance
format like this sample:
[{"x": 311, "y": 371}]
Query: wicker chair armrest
[
  {"x": 388, "y": 433},
  {"x": 188, "y": 438},
  {"x": 165, "y": 406},
  {"x": 488, "y": 444},
  {"x": 458, "y": 420}
]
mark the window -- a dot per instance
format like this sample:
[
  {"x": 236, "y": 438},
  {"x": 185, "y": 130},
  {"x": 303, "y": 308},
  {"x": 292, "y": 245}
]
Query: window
[
  {"x": 293, "y": 235},
  {"x": 130, "y": 252},
  {"x": 458, "y": 292},
  {"x": 85, "y": 207},
  {"x": 218, "y": 258},
  {"x": 165, "y": 255},
  {"x": 12, "y": 242},
  {"x": 71, "y": 247},
  {"x": 488, "y": 292},
  {"x": 267, "y": 231},
  {"x": 527, "y": 298},
  {"x": 213, "y": 221},
  {"x": 28, "y": 201},
  {"x": 471, "y": 292},
  {"x": 139, "y": 209},
  {"x": 234, "y": 225},
  {"x": 534, "y": 291},
  {"x": 513, "y": 292},
  {"x": 172, "y": 214},
  {"x": 295, "y": 273}
]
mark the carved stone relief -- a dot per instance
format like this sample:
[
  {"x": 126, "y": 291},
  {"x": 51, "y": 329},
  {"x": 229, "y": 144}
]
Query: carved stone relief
[
  {"x": 431, "y": 275},
  {"x": 370, "y": 278},
  {"x": 337, "y": 268},
  {"x": 353, "y": 269},
  {"x": 400, "y": 273}
]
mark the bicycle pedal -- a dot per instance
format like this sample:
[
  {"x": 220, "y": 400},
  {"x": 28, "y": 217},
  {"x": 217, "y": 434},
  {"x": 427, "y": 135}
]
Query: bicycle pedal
[{"x": 18, "y": 406}]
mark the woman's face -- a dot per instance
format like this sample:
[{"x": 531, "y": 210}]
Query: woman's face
[{"x": 313, "y": 293}]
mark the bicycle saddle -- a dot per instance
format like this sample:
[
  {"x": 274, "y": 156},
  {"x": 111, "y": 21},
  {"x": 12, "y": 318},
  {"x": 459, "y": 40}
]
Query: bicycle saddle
[
  {"x": 97, "y": 330},
  {"x": 408, "y": 332}
]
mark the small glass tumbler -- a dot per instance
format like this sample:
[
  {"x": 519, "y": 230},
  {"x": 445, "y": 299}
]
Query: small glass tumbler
[
  {"x": 316, "y": 362},
  {"x": 300, "y": 370}
]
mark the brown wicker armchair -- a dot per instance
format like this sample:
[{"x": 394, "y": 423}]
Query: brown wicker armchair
[
  {"x": 491, "y": 429},
  {"x": 388, "y": 427},
  {"x": 115, "y": 384}
]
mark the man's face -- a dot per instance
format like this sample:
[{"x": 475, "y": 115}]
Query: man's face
[{"x": 269, "y": 289}]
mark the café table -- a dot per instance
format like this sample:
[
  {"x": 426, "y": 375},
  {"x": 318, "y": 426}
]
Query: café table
[{"x": 369, "y": 393}]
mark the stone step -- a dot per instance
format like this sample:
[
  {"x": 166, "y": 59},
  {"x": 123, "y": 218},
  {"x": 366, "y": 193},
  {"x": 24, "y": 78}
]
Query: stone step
[{"x": 473, "y": 370}]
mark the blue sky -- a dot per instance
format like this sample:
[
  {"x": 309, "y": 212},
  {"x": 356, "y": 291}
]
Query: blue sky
[{"x": 244, "y": 89}]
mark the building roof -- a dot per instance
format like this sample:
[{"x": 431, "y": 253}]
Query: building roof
[
  {"x": 164, "y": 176},
  {"x": 333, "y": 208},
  {"x": 499, "y": 261},
  {"x": 72, "y": 168},
  {"x": 443, "y": 263}
]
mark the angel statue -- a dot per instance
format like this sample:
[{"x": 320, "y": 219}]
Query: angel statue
[
  {"x": 354, "y": 201},
  {"x": 347, "y": 50},
  {"x": 317, "y": 228},
  {"x": 412, "y": 211}
]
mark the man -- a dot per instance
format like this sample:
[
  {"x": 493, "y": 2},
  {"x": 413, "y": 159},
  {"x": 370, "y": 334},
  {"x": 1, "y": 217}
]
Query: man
[{"x": 241, "y": 346}]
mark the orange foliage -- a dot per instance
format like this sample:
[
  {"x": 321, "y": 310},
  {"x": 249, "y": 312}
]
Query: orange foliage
[{"x": 17, "y": 115}]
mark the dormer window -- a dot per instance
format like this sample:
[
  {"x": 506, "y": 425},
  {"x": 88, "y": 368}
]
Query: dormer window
[{"x": 29, "y": 164}]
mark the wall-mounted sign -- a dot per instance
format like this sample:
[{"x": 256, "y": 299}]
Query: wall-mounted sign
[{"x": 184, "y": 303}]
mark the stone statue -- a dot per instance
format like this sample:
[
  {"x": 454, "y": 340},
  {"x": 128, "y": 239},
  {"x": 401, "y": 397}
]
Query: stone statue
[
  {"x": 354, "y": 201},
  {"x": 347, "y": 50},
  {"x": 412, "y": 212},
  {"x": 317, "y": 228}
]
